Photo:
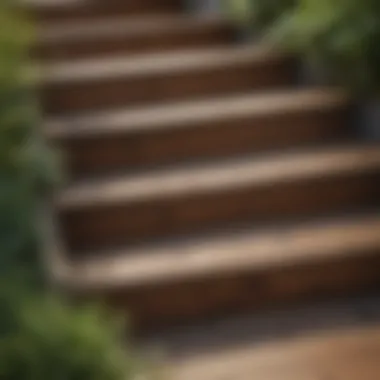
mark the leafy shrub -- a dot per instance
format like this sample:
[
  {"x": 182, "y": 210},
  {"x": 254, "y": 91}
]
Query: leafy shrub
[
  {"x": 27, "y": 167},
  {"x": 339, "y": 35},
  {"x": 42, "y": 338}
]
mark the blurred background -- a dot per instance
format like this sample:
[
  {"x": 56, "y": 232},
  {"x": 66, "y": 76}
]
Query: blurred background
[{"x": 189, "y": 188}]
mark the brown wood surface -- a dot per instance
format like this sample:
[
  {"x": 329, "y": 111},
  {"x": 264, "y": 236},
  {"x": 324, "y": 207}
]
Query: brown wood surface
[
  {"x": 184, "y": 138},
  {"x": 72, "y": 41},
  {"x": 346, "y": 354},
  {"x": 120, "y": 212},
  {"x": 151, "y": 307},
  {"x": 93, "y": 105},
  {"x": 126, "y": 81},
  {"x": 56, "y": 10}
]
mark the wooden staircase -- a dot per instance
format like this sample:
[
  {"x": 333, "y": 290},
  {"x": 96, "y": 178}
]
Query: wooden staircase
[
  {"x": 204, "y": 181},
  {"x": 342, "y": 355}
]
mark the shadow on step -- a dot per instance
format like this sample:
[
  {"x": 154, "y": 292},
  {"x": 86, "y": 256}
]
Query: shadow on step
[{"x": 280, "y": 324}]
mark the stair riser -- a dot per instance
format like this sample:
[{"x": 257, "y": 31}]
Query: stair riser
[
  {"x": 99, "y": 155},
  {"x": 99, "y": 9},
  {"x": 157, "y": 306},
  {"x": 217, "y": 35},
  {"x": 100, "y": 227},
  {"x": 75, "y": 97}
]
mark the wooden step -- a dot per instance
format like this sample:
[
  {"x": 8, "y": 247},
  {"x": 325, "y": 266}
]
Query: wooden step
[
  {"x": 68, "y": 40},
  {"x": 279, "y": 323},
  {"x": 52, "y": 11},
  {"x": 349, "y": 353},
  {"x": 130, "y": 139},
  {"x": 160, "y": 203},
  {"x": 241, "y": 271},
  {"x": 120, "y": 81}
]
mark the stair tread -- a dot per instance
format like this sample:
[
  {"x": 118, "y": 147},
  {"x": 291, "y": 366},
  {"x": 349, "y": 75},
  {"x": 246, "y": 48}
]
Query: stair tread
[
  {"x": 348, "y": 353},
  {"x": 155, "y": 63},
  {"x": 180, "y": 114},
  {"x": 239, "y": 173},
  {"x": 52, "y": 4},
  {"x": 124, "y": 26},
  {"x": 246, "y": 251},
  {"x": 267, "y": 326},
  {"x": 72, "y": 7},
  {"x": 243, "y": 251}
]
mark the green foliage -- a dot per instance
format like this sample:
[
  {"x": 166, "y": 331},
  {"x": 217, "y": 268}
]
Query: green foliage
[
  {"x": 27, "y": 166},
  {"x": 259, "y": 13},
  {"x": 339, "y": 35},
  {"x": 267, "y": 12},
  {"x": 239, "y": 10},
  {"x": 44, "y": 339}
]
